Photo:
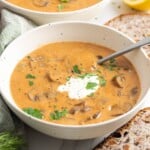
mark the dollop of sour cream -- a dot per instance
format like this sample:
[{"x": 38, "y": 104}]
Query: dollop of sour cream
[{"x": 79, "y": 88}]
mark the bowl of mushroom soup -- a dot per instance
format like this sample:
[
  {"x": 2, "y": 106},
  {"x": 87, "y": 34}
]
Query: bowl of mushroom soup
[
  {"x": 45, "y": 11},
  {"x": 54, "y": 84}
]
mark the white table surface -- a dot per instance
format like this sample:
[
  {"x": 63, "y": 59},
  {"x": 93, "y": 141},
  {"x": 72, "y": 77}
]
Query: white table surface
[{"x": 39, "y": 141}]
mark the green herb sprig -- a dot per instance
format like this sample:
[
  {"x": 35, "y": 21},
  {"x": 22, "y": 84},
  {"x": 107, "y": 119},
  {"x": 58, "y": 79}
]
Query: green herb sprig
[
  {"x": 76, "y": 69},
  {"x": 91, "y": 85},
  {"x": 11, "y": 141},
  {"x": 33, "y": 112},
  {"x": 64, "y": 1},
  {"x": 58, "y": 114},
  {"x": 60, "y": 7},
  {"x": 82, "y": 76},
  {"x": 102, "y": 81},
  {"x": 111, "y": 64},
  {"x": 30, "y": 77}
]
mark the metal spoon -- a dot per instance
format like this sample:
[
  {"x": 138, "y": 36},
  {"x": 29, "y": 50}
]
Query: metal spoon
[{"x": 126, "y": 50}]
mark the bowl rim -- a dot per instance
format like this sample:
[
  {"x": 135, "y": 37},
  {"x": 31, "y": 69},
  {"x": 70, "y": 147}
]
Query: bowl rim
[
  {"x": 18, "y": 109},
  {"x": 53, "y": 13}
]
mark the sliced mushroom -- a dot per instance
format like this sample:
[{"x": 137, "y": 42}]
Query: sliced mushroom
[
  {"x": 126, "y": 107},
  {"x": 94, "y": 66},
  {"x": 116, "y": 110},
  {"x": 99, "y": 56},
  {"x": 33, "y": 97},
  {"x": 77, "y": 108},
  {"x": 54, "y": 77},
  {"x": 81, "y": 104},
  {"x": 94, "y": 116},
  {"x": 36, "y": 61},
  {"x": 74, "y": 110},
  {"x": 57, "y": 76},
  {"x": 85, "y": 109},
  {"x": 127, "y": 69},
  {"x": 119, "y": 81},
  {"x": 40, "y": 3},
  {"x": 80, "y": 107},
  {"x": 68, "y": 65},
  {"x": 32, "y": 64},
  {"x": 50, "y": 77},
  {"x": 134, "y": 91},
  {"x": 50, "y": 95}
]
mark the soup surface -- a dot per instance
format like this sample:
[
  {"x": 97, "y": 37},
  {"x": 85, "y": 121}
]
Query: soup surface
[
  {"x": 54, "y": 5},
  {"x": 62, "y": 83}
]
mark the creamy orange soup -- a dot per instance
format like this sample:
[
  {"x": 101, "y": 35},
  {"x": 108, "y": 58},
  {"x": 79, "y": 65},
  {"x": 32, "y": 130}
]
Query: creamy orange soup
[
  {"x": 54, "y": 5},
  {"x": 62, "y": 83}
]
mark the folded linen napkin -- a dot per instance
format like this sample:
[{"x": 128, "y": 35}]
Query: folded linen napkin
[
  {"x": 11, "y": 128},
  {"x": 11, "y": 26}
]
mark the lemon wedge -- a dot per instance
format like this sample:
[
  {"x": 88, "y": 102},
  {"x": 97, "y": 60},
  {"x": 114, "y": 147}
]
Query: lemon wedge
[{"x": 138, "y": 4}]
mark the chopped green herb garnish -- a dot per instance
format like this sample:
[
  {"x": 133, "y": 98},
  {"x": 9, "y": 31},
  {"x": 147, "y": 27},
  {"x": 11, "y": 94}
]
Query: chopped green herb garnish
[
  {"x": 111, "y": 65},
  {"x": 31, "y": 83},
  {"x": 60, "y": 7},
  {"x": 91, "y": 85},
  {"x": 86, "y": 75},
  {"x": 98, "y": 71},
  {"x": 33, "y": 112},
  {"x": 64, "y": 1},
  {"x": 82, "y": 76},
  {"x": 112, "y": 60},
  {"x": 56, "y": 115},
  {"x": 76, "y": 69},
  {"x": 30, "y": 76},
  {"x": 102, "y": 81}
]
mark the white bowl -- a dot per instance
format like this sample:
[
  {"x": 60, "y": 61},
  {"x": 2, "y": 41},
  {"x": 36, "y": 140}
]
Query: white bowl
[
  {"x": 84, "y": 14},
  {"x": 63, "y": 31}
]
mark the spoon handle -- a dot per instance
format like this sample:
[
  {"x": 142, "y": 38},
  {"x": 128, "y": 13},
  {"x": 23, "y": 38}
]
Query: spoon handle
[{"x": 126, "y": 50}]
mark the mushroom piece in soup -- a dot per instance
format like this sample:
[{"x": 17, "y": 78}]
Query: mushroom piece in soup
[{"x": 62, "y": 83}]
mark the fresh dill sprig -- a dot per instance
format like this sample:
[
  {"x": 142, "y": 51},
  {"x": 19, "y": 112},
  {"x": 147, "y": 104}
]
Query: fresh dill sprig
[{"x": 11, "y": 141}]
